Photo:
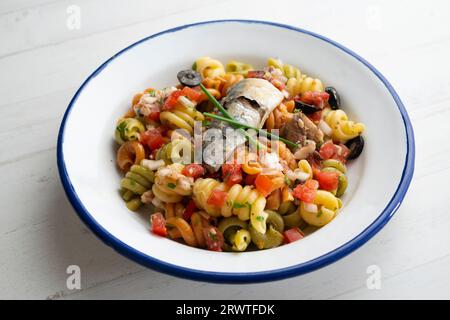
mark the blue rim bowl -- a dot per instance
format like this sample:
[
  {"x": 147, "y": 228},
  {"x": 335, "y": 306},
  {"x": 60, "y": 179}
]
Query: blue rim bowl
[{"x": 222, "y": 277}]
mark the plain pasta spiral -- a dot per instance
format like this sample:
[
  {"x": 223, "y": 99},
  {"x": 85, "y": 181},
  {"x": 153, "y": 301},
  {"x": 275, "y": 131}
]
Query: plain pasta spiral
[
  {"x": 244, "y": 202},
  {"x": 342, "y": 128},
  {"x": 181, "y": 117},
  {"x": 299, "y": 86},
  {"x": 328, "y": 206},
  {"x": 208, "y": 67}
]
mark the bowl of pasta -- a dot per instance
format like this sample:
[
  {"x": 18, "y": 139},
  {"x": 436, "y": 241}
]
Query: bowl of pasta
[{"x": 262, "y": 151}]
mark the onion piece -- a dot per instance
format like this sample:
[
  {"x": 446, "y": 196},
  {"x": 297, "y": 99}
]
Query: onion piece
[
  {"x": 157, "y": 203},
  {"x": 311, "y": 207},
  {"x": 152, "y": 164},
  {"x": 186, "y": 102},
  {"x": 297, "y": 174},
  {"x": 326, "y": 129}
]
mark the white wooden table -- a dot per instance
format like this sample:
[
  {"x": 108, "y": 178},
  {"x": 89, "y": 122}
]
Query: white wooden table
[{"x": 43, "y": 60}]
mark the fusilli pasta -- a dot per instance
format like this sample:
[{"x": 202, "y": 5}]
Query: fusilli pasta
[
  {"x": 171, "y": 185},
  {"x": 244, "y": 202},
  {"x": 208, "y": 67},
  {"x": 342, "y": 128},
  {"x": 181, "y": 117}
]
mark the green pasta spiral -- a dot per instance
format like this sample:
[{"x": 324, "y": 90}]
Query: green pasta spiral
[
  {"x": 177, "y": 151},
  {"x": 128, "y": 129},
  {"x": 238, "y": 67},
  {"x": 137, "y": 181},
  {"x": 274, "y": 234},
  {"x": 236, "y": 234},
  {"x": 332, "y": 165}
]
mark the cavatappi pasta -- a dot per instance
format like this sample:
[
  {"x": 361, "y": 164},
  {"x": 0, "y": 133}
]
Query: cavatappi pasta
[{"x": 252, "y": 198}]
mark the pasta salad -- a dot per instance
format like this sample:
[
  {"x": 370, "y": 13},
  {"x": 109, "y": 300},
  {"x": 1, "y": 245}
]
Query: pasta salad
[{"x": 235, "y": 158}]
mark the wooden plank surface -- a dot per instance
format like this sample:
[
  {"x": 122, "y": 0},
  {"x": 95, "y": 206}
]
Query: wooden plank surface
[{"x": 42, "y": 63}]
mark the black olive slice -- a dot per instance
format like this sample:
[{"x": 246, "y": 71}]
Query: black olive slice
[
  {"x": 356, "y": 146},
  {"x": 334, "y": 100},
  {"x": 304, "y": 107},
  {"x": 189, "y": 78}
]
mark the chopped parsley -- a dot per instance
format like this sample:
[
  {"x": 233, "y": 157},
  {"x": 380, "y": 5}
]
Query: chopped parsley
[
  {"x": 319, "y": 213},
  {"x": 194, "y": 66},
  {"x": 171, "y": 185},
  {"x": 121, "y": 128},
  {"x": 287, "y": 180},
  {"x": 260, "y": 218},
  {"x": 238, "y": 205}
]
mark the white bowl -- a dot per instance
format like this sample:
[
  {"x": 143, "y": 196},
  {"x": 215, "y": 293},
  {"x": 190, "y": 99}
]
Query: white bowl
[{"x": 378, "y": 179}]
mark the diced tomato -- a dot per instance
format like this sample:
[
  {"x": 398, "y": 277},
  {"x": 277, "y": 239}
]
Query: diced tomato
[
  {"x": 315, "y": 116},
  {"x": 217, "y": 198},
  {"x": 231, "y": 173},
  {"x": 292, "y": 235},
  {"x": 172, "y": 100},
  {"x": 264, "y": 185},
  {"x": 250, "y": 179},
  {"x": 306, "y": 192},
  {"x": 152, "y": 138},
  {"x": 213, "y": 238},
  {"x": 328, "y": 180},
  {"x": 329, "y": 150},
  {"x": 315, "y": 98},
  {"x": 154, "y": 116},
  {"x": 256, "y": 74},
  {"x": 191, "y": 94},
  {"x": 158, "y": 224},
  {"x": 193, "y": 170},
  {"x": 189, "y": 211},
  {"x": 234, "y": 178},
  {"x": 342, "y": 153}
]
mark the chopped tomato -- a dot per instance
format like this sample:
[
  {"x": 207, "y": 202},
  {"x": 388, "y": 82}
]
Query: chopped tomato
[
  {"x": 217, "y": 198},
  {"x": 329, "y": 150},
  {"x": 152, "y": 138},
  {"x": 191, "y": 94},
  {"x": 264, "y": 185},
  {"x": 292, "y": 235},
  {"x": 189, "y": 211},
  {"x": 342, "y": 153},
  {"x": 327, "y": 180},
  {"x": 231, "y": 173},
  {"x": 172, "y": 100},
  {"x": 306, "y": 192},
  {"x": 213, "y": 238},
  {"x": 315, "y": 116},
  {"x": 315, "y": 98},
  {"x": 250, "y": 179},
  {"x": 193, "y": 170},
  {"x": 158, "y": 224},
  {"x": 256, "y": 74},
  {"x": 154, "y": 116}
]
